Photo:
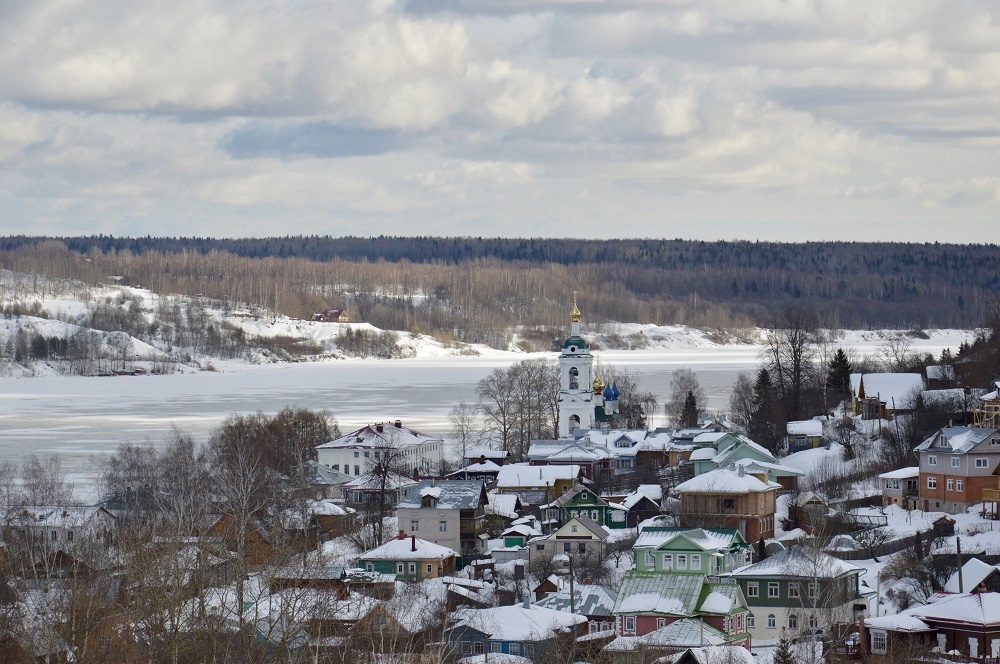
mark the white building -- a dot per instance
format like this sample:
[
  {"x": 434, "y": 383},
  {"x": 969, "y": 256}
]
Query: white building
[
  {"x": 406, "y": 449},
  {"x": 576, "y": 380}
]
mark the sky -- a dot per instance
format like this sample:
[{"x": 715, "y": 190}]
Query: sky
[{"x": 778, "y": 120}]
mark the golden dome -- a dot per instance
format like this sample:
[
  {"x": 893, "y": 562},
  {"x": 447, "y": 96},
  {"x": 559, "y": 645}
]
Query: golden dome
[
  {"x": 575, "y": 314},
  {"x": 598, "y": 385}
]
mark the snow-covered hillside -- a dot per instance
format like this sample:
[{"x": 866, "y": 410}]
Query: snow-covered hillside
[{"x": 65, "y": 327}]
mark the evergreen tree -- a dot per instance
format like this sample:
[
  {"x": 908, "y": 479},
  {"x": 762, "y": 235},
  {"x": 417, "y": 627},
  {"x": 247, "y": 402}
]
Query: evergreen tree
[
  {"x": 783, "y": 655},
  {"x": 763, "y": 425},
  {"x": 838, "y": 375},
  {"x": 689, "y": 416}
]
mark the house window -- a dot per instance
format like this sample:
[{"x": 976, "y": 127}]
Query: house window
[
  {"x": 573, "y": 528},
  {"x": 728, "y": 504},
  {"x": 753, "y": 589},
  {"x": 772, "y": 622},
  {"x": 370, "y": 567},
  {"x": 949, "y": 484},
  {"x": 357, "y": 470},
  {"x": 931, "y": 482},
  {"x": 466, "y": 647},
  {"x": 567, "y": 548},
  {"x": 413, "y": 568},
  {"x": 793, "y": 622},
  {"x": 793, "y": 590},
  {"x": 879, "y": 641},
  {"x": 54, "y": 535},
  {"x": 477, "y": 648},
  {"x": 813, "y": 590},
  {"x": 582, "y": 548},
  {"x": 955, "y": 462},
  {"x": 442, "y": 526},
  {"x": 414, "y": 525},
  {"x": 813, "y": 621},
  {"x": 958, "y": 485},
  {"x": 69, "y": 535},
  {"x": 931, "y": 460},
  {"x": 430, "y": 569},
  {"x": 629, "y": 623},
  {"x": 661, "y": 622},
  {"x": 650, "y": 559},
  {"x": 982, "y": 463},
  {"x": 399, "y": 568},
  {"x": 539, "y": 547},
  {"x": 515, "y": 649},
  {"x": 357, "y": 455},
  {"x": 668, "y": 561},
  {"x": 682, "y": 561},
  {"x": 772, "y": 589},
  {"x": 696, "y": 561}
]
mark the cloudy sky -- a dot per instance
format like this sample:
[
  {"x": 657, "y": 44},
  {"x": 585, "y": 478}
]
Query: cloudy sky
[{"x": 708, "y": 119}]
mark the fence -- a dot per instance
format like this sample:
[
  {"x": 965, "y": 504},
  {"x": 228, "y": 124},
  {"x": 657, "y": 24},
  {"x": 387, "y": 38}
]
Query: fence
[{"x": 941, "y": 528}]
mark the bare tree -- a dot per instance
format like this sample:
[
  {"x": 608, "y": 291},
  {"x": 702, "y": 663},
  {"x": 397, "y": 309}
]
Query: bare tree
[
  {"x": 682, "y": 382},
  {"x": 741, "y": 400},
  {"x": 789, "y": 353},
  {"x": 464, "y": 426}
]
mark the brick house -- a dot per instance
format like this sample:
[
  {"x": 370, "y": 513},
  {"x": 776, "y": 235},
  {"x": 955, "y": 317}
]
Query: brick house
[{"x": 956, "y": 465}]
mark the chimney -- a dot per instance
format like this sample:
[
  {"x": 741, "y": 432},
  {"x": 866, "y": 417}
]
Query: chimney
[
  {"x": 739, "y": 471},
  {"x": 402, "y": 534},
  {"x": 399, "y": 424},
  {"x": 413, "y": 542},
  {"x": 378, "y": 427}
]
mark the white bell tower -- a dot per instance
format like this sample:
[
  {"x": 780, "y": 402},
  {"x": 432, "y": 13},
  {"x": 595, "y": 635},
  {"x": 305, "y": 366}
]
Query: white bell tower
[{"x": 576, "y": 394}]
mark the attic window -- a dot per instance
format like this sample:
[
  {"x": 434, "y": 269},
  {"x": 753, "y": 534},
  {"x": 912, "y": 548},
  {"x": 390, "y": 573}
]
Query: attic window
[{"x": 583, "y": 494}]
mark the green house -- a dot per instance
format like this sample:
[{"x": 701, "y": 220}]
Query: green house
[
  {"x": 696, "y": 551},
  {"x": 582, "y": 501}
]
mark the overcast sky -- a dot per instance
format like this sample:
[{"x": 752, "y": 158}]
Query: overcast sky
[{"x": 709, "y": 119}]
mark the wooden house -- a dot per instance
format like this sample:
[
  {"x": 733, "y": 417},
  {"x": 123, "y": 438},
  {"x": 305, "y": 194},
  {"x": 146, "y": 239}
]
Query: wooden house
[
  {"x": 409, "y": 558},
  {"x": 332, "y": 316},
  {"x": 726, "y": 498}
]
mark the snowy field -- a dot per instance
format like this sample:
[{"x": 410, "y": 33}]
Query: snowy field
[{"x": 78, "y": 418}]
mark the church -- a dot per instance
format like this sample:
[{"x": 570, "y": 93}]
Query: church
[{"x": 585, "y": 402}]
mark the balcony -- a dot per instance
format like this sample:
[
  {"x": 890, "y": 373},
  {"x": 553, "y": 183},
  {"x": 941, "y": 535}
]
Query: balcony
[{"x": 991, "y": 495}]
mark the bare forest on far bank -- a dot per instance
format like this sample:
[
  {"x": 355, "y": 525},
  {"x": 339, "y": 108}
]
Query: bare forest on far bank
[{"x": 479, "y": 290}]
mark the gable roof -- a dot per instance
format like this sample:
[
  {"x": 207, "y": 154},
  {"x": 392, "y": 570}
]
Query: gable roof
[
  {"x": 733, "y": 443},
  {"x": 381, "y": 435},
  {"x": 595, "y": 529},
  {"x": 562, "y": 500},
  {"x": 712, "y": 655},
  {"x": 590, "y": 600},
  {"x": 448, "y": 494},
  {"x": 895, "y": 390},
  {"x": 517, "y": 623},
  {"x": 968, "y": 608},
  {"x": 724, "y": 480},
  {"x": 373, "y": 481},
  {"x": 657, "y": 593},
  {"x": 719, "y": 539},
  {"x": 685, "y": 632},
  {"x": 403, "y": 549},
  {"x": 805, "y": 428},
  {"x": 974, "y": 572},
  {"x": 797, "y": 561},
  {"x": 516, "y": 476},
  {"x": 959, "y": 439}
]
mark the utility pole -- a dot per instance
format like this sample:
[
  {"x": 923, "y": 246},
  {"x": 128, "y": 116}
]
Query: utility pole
[{"x": 572, "y": 587}]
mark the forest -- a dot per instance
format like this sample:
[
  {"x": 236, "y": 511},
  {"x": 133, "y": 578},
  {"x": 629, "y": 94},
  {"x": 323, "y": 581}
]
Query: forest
[{"x": 479, "y": 290}]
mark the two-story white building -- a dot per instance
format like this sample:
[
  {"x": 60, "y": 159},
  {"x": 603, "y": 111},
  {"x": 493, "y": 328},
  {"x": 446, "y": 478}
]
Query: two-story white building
[{"x": 403, "y": 448}]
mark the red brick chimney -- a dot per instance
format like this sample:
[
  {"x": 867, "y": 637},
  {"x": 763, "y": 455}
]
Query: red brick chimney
[
  {"x": 399, "y": 424},
  {"x": 413, "y": 542}
]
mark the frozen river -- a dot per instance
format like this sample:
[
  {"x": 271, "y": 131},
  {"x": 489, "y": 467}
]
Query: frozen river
[{"x": 77, "y": 418}]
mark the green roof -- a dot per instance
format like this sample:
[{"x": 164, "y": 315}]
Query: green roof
[{"x": 579, "y": 342}]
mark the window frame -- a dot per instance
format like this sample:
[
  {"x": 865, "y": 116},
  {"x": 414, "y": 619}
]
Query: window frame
[
  {"x": 753, "y": 589},
  {"x": 773, "y": 590}
]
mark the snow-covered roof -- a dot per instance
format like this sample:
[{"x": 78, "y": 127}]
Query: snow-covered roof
[
  {"x": 518, "y": 476},
  {"x": 974, "y": 572},
  {"x": 483, "y": 467},
  {"x": 713, "y": 654},
  {"x": 387, "y": 434},
  {"x": 590, "y": 600},
  {"x": 60, "y": 516},
  {"x": 798, "y": 560},
  {"x": 708, "y": 437},
  {"x": 740, "y": 442},
  {"x": 502, "y": 505},
  {"x": 408, "y": 548},
  {"x": 373, "y": 481},
  {"x": 974, "y": 608},
  {"x": 480, "y": 452},
  {"x": 754, "y": 466},
  {"x": 686, "y": 632},
  {"x": 658, "y": 593},
  {"x": 703, "y": 454},
  {"x": 898, "y": 623},
  {"x": 448, "y": 494},
  {"x": 805, "y": 428},
  {"x": 652, "y": 492},
  {"x": 724, "y": 480},
  {"x": 896, "y": 390},
  {"x": 959, "y": 439},
  {"x": 517, "y": 623},
  {"x": 940, "y": 372},
  {"x": 704, "y": 538},
  {"x": 901, "y": 474}
]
